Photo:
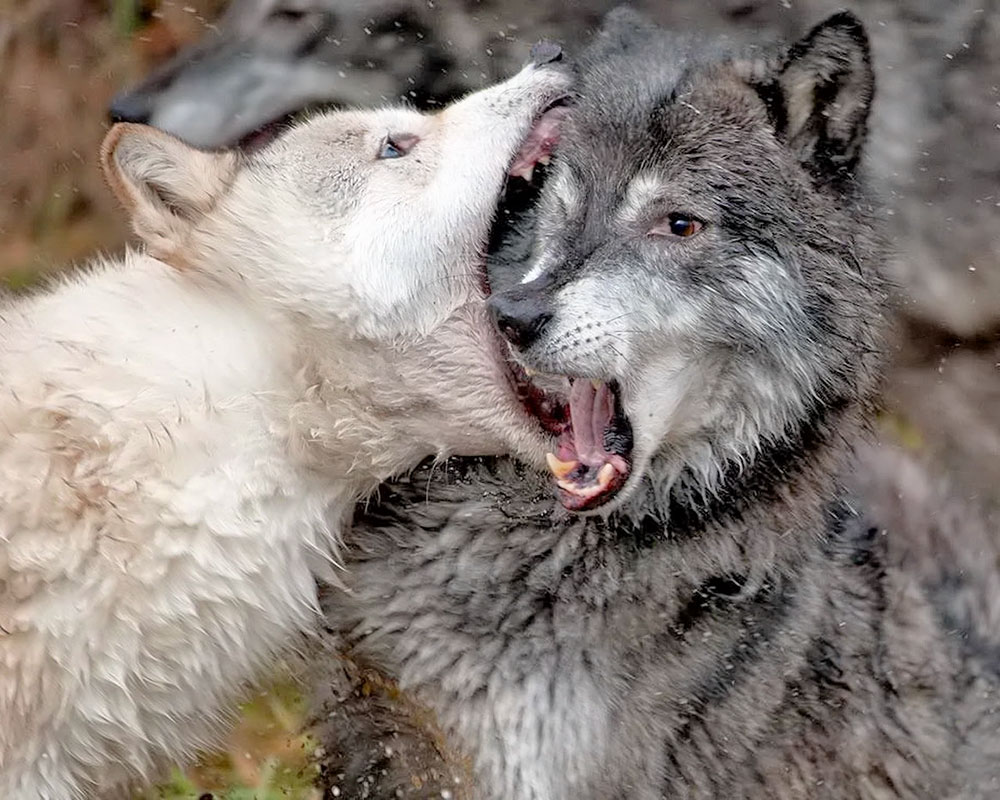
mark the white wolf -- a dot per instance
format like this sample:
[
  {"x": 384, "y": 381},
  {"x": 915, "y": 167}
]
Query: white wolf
[{"x": 184, "y": 429}]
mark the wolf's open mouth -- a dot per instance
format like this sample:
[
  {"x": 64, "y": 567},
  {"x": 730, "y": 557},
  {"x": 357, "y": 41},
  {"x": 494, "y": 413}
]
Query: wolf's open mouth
[
  {"x": 593, "y": 457},
  {"x": 594, "y": 445},
  {"x": 261, "y": 136}
]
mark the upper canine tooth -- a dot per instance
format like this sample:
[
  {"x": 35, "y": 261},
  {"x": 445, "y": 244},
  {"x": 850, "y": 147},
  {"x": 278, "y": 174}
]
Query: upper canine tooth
[
  {"x": 528, "y": 173},
  {"x": 560, "y": 468},
  {"x": 596, "y": 383},
  {"x": 531, "y": 373},
  {"x": 545, "y": 159}
]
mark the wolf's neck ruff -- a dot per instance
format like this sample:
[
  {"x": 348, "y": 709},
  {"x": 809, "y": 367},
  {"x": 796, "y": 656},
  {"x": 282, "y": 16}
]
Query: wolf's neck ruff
[{"x": 804, "y": 463}]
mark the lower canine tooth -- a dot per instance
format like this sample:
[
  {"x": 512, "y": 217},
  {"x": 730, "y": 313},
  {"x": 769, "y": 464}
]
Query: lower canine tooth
[
  {"x": 605, "y": 475},
  {"x": 560, "y": 468},
  {"x": 545, "y": 159},
  {"x": 572, "y": 488},
  {"x": 531, "y": 373}
]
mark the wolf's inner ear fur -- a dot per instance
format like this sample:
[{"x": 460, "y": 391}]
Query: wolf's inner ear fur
[
  {"x": 824, "y": 88},
  {"x": 165, "y": 185}
]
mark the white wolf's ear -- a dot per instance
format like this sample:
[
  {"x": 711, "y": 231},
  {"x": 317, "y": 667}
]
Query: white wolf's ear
[
  {"x": 165, "y": 185},
  {"x": 825, "y": 87}
]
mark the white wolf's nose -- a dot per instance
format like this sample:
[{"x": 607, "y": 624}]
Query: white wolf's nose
[{"x": 545, "y": 52}]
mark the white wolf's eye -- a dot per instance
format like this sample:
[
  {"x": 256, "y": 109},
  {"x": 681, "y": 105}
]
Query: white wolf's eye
[
  {"x": 397, "y": 146},
  {"x": 683, "y": 226}
]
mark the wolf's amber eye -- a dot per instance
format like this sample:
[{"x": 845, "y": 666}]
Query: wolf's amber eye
[
  {"x": 396, "y": 146},
  {"x": 681, "y": 225}
]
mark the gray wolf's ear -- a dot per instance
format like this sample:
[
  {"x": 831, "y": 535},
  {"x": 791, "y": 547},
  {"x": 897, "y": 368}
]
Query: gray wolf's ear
[
  {"x": 826, "y": 88},
  {"x": 165, "y": 185}
]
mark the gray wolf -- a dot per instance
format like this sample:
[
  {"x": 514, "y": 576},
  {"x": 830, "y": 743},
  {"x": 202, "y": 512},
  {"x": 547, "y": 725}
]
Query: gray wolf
[
  {"x": 730, "y": 607},
  {"x": 934, "y": 145},
  {"x": 185, "y": 428}
]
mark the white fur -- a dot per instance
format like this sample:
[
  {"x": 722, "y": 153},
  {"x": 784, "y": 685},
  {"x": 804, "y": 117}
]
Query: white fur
[
  {"x": 183, "y": 431},
  {"x": 643, "y": 190}
]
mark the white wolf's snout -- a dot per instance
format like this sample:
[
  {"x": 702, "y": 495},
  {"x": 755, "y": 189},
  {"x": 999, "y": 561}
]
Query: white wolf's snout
[{"x": 488, "y": 127}]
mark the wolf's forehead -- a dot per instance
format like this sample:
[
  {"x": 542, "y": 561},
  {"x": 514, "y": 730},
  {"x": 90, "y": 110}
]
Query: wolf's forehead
[
  {"x": 643, "y": 189},
  {"x": 692, "y": 130},
  {"x": 625, "y": 166},
  {"x": 619, "y": 88}
]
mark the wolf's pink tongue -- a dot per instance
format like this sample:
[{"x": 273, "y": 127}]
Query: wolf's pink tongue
[
  {"x": 603, "y": 416},
  {"x": 539, "y": 143},
  {"x": 586, "y": 472},
  {"x": 591, "y": 410}
]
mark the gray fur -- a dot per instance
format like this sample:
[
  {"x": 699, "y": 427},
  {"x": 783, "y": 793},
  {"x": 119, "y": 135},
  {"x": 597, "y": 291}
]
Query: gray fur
[
  {"x": 579, "y": 660},
  {"x": 726, "y": 342},
  {"x": 770, "y": 614}
]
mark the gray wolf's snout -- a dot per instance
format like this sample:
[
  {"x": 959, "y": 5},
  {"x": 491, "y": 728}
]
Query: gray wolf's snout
[
  {"x": 520, "y": 314},
  {"x": 545, "y": 52}
]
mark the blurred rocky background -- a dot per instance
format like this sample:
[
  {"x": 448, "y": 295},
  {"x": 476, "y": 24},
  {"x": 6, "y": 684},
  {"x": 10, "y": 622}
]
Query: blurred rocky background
[
  {"x": 221, "y": 76},
  {"x": 61, "y": 62}
]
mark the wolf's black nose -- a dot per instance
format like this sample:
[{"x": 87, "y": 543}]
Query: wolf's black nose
[
  {"x": 520, "y": 316},
  {"x": 545, "y": 52},
  {"x": 130, "y": 107}
]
